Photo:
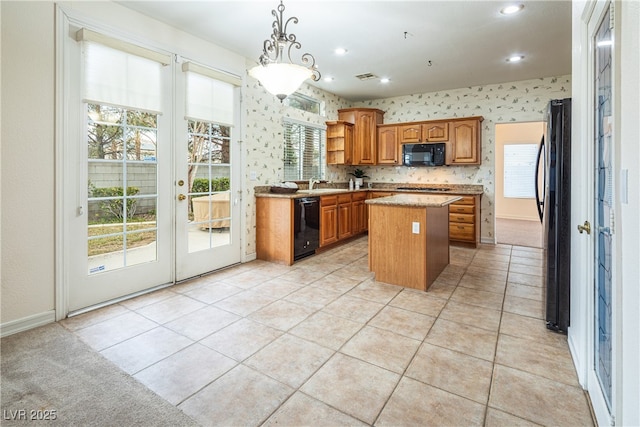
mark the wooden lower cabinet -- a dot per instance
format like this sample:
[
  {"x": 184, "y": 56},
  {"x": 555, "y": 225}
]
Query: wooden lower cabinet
[
  {"x": 274, "y": 230},
  {"x": 342, "y": 216},
  {"x": 345, "y": 228},
  {"x": 464, "y": 220},
  {"x": 328, "y": 220},
  {"x": 360, "y": 217}
]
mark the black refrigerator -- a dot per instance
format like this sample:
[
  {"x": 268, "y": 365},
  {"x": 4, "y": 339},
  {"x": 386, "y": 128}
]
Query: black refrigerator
[{"x": 554, "y": 208}]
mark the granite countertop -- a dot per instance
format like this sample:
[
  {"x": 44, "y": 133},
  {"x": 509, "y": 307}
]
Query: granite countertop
[
  {"x": 414, "y": 200},
  {"x": 441, "y": 189}
]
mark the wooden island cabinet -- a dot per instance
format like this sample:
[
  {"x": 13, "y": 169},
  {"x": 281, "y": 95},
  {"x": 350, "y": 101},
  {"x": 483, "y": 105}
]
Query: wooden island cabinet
[{"x": 409, "y": 238}]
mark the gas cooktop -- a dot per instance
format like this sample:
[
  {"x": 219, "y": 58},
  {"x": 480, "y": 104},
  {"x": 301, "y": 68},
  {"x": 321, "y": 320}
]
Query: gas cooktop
[{"x": 424, "y": 188}]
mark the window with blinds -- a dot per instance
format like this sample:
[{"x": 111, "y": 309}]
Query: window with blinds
[
  {"x": 520, "y": 170},
  {"x": 303, "y": 151}
]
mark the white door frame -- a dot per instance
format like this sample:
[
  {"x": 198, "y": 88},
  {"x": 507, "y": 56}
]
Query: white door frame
[
  {"x": 581, "y": 333},
  {"x": 121, "y": 21}
]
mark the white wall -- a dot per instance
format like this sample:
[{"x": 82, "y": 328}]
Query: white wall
[
  {"x": 27, "y": 145},
  {"x": 629, "y": 226}
]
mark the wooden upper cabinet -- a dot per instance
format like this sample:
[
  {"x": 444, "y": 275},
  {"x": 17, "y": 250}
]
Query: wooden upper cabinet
[
  {"x": 410, "y": 133},
  {"x": 435, "y": 132},
  {"x": 388, "y": 147},
  {"x": 339, "y": 142},
  {"x": 424, "y": 132},
  {"x": 365, "y": 122},
  {"x": 464, "y": 144}
]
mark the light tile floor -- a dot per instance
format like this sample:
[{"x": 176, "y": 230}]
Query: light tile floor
[{"x": 322, "y": 343}]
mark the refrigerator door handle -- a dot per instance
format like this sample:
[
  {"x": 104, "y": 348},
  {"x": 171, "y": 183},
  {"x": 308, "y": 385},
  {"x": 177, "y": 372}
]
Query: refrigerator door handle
[{"x": 540, "y": 202}]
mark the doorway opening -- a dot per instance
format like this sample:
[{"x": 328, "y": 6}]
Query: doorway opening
[{"x": 517, "y": 221}]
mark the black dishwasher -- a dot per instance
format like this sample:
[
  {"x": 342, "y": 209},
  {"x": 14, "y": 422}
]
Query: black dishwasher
[{"x": 306, "y": 226}]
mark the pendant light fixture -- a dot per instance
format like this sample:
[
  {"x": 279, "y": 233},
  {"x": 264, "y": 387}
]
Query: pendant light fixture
[{"x": 277, "y": 72}]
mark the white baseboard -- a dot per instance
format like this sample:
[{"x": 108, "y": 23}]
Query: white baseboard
[
  {"x": 488, "y": 240},
  {"x": 26, "y": 323},
  {"x": 249, "y": 257}
]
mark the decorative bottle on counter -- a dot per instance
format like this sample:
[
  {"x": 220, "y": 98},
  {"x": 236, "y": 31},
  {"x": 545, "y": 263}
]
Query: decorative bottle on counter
[{"x": 351, "y": 184}]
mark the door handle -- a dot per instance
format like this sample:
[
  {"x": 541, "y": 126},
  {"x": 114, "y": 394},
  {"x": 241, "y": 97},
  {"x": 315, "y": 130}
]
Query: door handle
[
  {"x": 585, "y": 227},
  {"x": 182, "y": 197}
]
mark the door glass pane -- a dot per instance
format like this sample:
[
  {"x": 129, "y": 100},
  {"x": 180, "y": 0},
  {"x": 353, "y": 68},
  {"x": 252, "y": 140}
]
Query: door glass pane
[
  {"x": 122, "y": 187},
  {"x": 209, "y": 197},
  {"x": 604, "y": 204}
]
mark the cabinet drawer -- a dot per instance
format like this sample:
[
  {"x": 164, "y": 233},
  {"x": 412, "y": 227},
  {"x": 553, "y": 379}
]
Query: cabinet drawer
[
  {"x": 466, "y": 200},
  {"x": 461, "y": 209},
  {"x": 344, "y": 198},
  {"x": 360, "y": 195},
  {"x": 462, "y": 218},
  {"x": 328, "y": 201},
  {"x": 462, "y": 232}
]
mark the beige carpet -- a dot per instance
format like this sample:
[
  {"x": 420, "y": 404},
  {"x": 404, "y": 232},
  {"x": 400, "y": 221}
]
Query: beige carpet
[
  {"x": 519, "y": 232},
  {"x": 49, "y": 373}
]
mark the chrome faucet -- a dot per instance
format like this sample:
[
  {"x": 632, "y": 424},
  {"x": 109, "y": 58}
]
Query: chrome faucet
[{"x": 311, "y": 182}]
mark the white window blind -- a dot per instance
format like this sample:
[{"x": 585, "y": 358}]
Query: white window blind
[
  {"x": 519, "y": 170},
  {"x": 303, "y": 151},
  {"x": 115, "y": 75},
  {"x": 209, "y": 94},
  {"x": 120, "y": 78}
]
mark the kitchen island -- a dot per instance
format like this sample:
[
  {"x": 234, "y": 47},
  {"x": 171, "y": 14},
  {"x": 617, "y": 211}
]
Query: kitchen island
[{"x": 409, "y": 238}]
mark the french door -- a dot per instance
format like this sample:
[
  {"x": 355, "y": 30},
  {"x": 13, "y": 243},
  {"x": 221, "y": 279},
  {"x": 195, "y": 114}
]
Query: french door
[
  {"x": 207, "y": 172},
  {"x": 601, "y": 375},
  {"x": 150, "y": 197}
]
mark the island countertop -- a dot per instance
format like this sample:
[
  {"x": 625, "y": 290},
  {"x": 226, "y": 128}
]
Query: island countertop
[{"x": 415, "y": 200}]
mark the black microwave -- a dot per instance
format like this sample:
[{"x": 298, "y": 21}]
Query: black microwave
[{"x": 423, "y": 154}]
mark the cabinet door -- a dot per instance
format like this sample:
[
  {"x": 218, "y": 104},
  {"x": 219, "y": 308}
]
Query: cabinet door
[
  {"x": 410, "y": 133},
  {"x": 345, "y": 228},
  {"x": 328, "y": 224},
  {"x": 388, "y": 147},
  {"x": 359, "y": 216},
  {"x": 464, "y": 145},
  {"x": 364, "y": 152},
  {"x": 435, "y": 132}
]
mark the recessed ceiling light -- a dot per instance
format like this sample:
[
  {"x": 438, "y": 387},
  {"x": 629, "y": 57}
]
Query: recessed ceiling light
[
  {"x": 515, "y": 58},
  {"x": 328, "y": 79},
  {"x": 340, "y": 51},
  {"x": 384, "y": 80},
  {"x": 510, "y": 10}
]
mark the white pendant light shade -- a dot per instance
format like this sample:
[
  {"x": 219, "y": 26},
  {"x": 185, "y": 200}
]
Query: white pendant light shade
[
  {"x": 281, "y": 80},
  {"x": 277, "y": 73}
]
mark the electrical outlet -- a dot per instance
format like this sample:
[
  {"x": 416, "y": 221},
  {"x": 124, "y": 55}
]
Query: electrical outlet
[
  {"x": 415, "y": 228},
  {"x": 253, "y": 176}
]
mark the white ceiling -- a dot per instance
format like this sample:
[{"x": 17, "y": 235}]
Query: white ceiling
[{"x": 467, "y": 42}]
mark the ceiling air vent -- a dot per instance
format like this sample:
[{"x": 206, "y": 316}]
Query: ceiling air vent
[{"x": 366, "y": 76}]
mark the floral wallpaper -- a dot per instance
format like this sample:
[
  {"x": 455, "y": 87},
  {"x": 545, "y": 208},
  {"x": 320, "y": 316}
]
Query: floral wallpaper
[{"x": 522, "y": 101}]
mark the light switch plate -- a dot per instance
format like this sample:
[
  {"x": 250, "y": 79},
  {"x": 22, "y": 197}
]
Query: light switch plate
[
  {"x": 415, "y": 228},
  {"x": 624, "y": 186},
  {"x": 253, "y": 176}
]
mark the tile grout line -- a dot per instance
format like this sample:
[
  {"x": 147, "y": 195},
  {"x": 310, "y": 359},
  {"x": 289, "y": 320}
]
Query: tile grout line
[{"x": 495, "y": 351}]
